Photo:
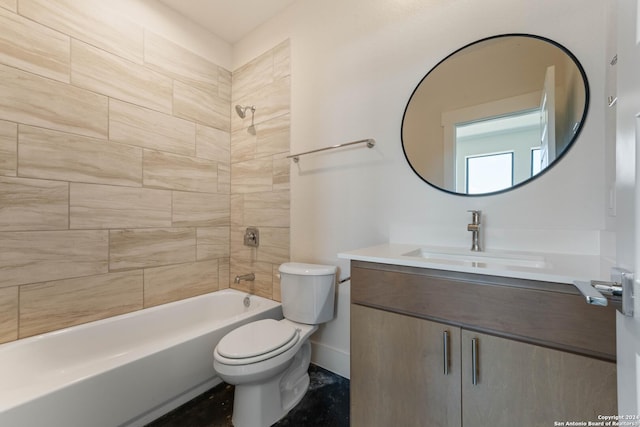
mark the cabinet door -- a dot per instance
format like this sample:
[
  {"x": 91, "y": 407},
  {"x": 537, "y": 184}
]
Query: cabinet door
[
  {"x": 398, "y": 371},
  {"x": 528, "y": 385}
]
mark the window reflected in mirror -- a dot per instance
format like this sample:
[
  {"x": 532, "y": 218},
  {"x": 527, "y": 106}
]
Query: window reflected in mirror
[
  {"x": 516, "y": 134},
  {"x": 489, "y": 172}
]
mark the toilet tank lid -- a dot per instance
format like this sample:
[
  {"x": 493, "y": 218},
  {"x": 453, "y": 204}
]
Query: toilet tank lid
[{"x": 307, "y": 269}]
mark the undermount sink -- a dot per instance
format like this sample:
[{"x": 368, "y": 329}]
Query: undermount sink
[{"x": 472, "y": 258}]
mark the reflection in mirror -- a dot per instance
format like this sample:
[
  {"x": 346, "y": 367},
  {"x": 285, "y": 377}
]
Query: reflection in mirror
[{"x": 495, "y": 114}]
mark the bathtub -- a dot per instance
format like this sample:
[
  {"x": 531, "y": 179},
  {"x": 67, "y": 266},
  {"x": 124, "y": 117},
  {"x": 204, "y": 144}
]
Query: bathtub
[{"x": 122, "y": 371}]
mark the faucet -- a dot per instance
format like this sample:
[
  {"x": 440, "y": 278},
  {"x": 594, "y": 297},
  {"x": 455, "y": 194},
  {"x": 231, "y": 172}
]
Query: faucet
[
  {"x": 248, "y": 277},
  {"x": 474, "y": 227}
]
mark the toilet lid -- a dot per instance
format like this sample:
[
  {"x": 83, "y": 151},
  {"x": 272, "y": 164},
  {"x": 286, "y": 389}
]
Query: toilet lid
[{"x": 256, "y": 338}]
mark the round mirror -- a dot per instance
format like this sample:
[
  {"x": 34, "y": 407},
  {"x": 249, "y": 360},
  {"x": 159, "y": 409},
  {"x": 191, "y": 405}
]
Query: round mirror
[{"x": 495, "y": 114}]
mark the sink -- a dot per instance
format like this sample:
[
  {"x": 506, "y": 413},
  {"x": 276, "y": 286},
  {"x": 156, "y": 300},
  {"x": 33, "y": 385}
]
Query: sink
[{"x": 462, "y": 256}]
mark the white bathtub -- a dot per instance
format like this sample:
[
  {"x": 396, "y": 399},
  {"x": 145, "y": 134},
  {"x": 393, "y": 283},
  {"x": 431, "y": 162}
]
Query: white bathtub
[{"x": 125, "y": 370}]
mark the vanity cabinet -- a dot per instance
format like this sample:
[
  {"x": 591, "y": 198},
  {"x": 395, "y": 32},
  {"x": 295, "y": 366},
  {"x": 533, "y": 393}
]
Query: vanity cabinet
[
  {"x": 530, "y": 369},
  {"x": 398, "y": 370},
  {"x": 532, "y": 384}
]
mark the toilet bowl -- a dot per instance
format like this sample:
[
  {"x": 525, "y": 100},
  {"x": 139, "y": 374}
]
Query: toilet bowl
[{"x": 267, "y": 360}]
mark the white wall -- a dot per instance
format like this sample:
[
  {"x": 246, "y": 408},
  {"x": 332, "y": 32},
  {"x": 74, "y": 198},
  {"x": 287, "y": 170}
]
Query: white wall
[
  {"x": 354, "y": 66},
  {"x": 157, "y": 17}
]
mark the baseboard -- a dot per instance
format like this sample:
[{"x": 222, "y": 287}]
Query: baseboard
[{"x": 331, "y": 359}]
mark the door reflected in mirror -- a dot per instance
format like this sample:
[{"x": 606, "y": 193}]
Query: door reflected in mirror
[{"x": 495, "y": 114}]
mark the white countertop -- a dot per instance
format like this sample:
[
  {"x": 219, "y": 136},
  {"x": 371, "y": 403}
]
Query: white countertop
[{"x": 550, "y": 267}]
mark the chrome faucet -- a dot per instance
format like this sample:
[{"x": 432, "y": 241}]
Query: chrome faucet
[
  {"x": 474, "y": 228},
  {"x": 248, "y": 277}
]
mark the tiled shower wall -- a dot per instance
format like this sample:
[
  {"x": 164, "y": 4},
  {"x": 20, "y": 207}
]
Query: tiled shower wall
[
  {"x": 115, "y": 169},
  {"x": 260, "y": 169}
]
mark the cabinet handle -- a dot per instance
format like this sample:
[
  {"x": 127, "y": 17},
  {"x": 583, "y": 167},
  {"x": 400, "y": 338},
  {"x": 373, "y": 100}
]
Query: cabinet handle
[
  {"x": 445, "y": 351},
  {"x": 474, "y": 361}
]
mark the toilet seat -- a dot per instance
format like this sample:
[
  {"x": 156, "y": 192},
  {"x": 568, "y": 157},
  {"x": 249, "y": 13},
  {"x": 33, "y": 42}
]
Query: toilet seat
[{"x": 256, "y": 341}]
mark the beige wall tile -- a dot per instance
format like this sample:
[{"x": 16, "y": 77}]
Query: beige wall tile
[
  {"x": 252, "y": 176},
  {"x": 262, "y": 285},
  {"x": 56, "y": 155},
  {"x": 243, "y": 145},
  {"x": 32, "y": 47},
  {"x": 213, "y": 144},
  {"x": 164, "y": 170},
  {"x": 224, "y": 178},
  {"x": 200, "y": 106},
  {"x": 273, "y": 136},
  {"x": 200, "y": 209},
  {"x": 172, "y": 283},
  {"x": 213, "y": 242},
  {"x": 151, "y": 247},
  {"x": 269, "y": 209},
  {"x": 8, "y": 148},
  {"x": 131, "y": 124},
  {"x": 108, "y": 74},
  {"x": 93, "y": 21},
  {"x": 39, "y": 101},
  {"x": 274, "y": 245},
  {"x": 252, "y": 76},
  {"x": 33, "y": 204},
  {"x": 103, "y": 206},
  {"x": 223, "y": 273},
  {"x": 36, "y": 256},
  {"x": 237, "y": 210},
  {"x": 54, "y": 305},
  {"x": 9, "y": 4},
  {"x": 282, "y": 60},
  {"x": 8, "y": 314},
  {"x": 281, "y": 172},
  {"x": 224, "y": 84},
  {"x": 265, "y": 139},
  {"x": 180, "y": 63}
]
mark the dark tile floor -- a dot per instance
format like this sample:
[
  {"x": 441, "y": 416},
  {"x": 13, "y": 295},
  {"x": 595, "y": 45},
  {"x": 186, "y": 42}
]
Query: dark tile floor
[{"x": 326, "y": 404}]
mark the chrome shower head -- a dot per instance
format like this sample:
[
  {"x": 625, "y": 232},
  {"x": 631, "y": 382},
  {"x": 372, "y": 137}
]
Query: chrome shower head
[{"x": 242, "y": 110}]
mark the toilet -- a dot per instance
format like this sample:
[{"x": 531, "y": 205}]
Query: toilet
[{"x": 267, "y": 360}]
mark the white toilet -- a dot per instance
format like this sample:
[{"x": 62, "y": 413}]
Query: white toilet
[{"x": 267, "y": 360}]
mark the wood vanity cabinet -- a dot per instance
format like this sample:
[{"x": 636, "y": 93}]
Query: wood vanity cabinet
[
  {"x": 397, "y": 371},
  {"x": 412, "y": 333}
]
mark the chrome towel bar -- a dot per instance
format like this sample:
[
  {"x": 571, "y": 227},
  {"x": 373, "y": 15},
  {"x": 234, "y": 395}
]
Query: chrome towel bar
[{"x": 369, "y": 141}]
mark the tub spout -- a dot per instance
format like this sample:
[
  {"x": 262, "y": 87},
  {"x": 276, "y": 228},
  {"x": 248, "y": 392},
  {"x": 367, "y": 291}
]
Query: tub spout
[{"x": 248, "y": 277}]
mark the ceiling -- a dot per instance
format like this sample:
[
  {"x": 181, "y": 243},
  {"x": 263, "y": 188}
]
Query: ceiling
[{"x": 230, "y": 20}]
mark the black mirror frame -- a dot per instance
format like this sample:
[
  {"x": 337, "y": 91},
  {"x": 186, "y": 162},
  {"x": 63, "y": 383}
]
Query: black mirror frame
[{"x": 560, "y": 156}]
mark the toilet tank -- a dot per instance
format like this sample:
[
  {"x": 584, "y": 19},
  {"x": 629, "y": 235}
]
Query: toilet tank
[{"x": 307, "y": 292}]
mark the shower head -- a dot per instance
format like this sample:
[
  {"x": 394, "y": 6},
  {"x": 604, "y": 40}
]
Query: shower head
[{"x": 242, "y": 111}]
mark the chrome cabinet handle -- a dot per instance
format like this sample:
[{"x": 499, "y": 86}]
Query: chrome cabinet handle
[
  {"x": 474, "y": 361},
  {"x": 445, "y": 351}
]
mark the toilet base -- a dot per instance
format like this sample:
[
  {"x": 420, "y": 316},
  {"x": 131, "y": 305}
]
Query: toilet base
[{"x": 263, "y": 404}]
